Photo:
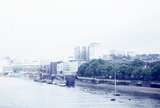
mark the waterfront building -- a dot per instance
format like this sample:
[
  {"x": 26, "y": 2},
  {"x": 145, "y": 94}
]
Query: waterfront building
[
  {"x": 60, "y": 68},
  {"x": 53, "y": 68},
  {"x": 67, "y": 68}
]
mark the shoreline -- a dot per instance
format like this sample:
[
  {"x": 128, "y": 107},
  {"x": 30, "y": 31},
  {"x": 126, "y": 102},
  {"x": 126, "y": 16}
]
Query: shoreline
[
  {"x": 133, "y": 90},
  {"x": 126, "y": 89}
]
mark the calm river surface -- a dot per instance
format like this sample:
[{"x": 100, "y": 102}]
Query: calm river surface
[{"x": 20, "y": 93}]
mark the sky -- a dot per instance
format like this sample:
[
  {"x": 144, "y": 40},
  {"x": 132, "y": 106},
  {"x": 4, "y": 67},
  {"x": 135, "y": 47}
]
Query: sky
[{"x": 52, "y": 28}]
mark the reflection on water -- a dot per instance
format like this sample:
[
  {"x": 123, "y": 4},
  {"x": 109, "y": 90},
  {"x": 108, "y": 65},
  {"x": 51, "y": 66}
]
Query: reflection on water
[{"x": 17, "y": 93}]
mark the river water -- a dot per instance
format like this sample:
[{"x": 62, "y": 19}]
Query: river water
[{"x": 20, "y": 93}]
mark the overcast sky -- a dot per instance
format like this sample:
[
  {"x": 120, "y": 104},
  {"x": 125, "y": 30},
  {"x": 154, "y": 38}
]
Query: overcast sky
[{"x": 52, "y": 28}]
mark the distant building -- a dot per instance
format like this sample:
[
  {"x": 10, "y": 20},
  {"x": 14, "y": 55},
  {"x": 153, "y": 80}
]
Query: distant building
[
  {"x": 94, "y": 51},
  {"x": 84, "y": 53},
  {"x": 69, "y": 67},
  {"x": 106, "y": 57},
  {"x": 7, "y": 70},
  {"x": 148, "y": 57},
  {"x": 90, "y": 52},
  {"x": 60, "y": 68},
  {"x": 53, "y": 68},
  {"x": 81, "y": 53},
  {"x": 21, "y": 70},
  {"x": 77, "y": 54}
]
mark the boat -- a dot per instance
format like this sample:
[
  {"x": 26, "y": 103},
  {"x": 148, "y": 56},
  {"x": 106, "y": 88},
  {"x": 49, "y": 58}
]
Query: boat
[
  {"x": 115, "y": 86},
  {"x": 59, "y": 81}
]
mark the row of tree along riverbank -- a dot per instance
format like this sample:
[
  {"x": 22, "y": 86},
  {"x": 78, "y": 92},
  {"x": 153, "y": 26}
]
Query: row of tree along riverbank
[{"x": 127, "y": 72}]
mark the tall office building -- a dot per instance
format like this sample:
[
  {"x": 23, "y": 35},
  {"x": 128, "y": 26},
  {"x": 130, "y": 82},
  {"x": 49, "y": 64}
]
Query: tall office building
[
  {"x": 81, "y": 53},
  {"x": 94, "y": 51},
  {"x": 90, "y": 52},
  {"x": 84, "y": 53},
  {"x": 77, "y": 54}
]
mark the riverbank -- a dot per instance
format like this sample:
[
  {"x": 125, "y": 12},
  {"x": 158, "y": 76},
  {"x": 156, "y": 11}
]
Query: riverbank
[
  {"x": 129, "y": 89},
  {"x": 133, "y": 90}
]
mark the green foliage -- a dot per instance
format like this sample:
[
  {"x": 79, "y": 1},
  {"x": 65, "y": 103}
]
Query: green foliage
[
  {"x": 155, "y": 71},
  {"x": 137, "y": 63},
  {"x": 82, "y": 69},
  {"x": 133, "y": 70}
]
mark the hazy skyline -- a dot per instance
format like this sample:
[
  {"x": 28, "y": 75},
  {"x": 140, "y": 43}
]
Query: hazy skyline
[{"x": 52, "y": 28}]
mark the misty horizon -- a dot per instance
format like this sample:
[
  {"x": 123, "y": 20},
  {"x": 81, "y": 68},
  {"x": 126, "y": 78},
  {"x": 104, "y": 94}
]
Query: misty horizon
[{"x": 53, "y": 28}]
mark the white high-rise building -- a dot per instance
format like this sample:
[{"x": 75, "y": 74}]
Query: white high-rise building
[
  {"x": 90, "y": 52},
  {"x": 84, "y": 53},
  {"x": 94, "y": 51},
  {"x": 77, "y": 54},
  {"x": 81, "y": 53}
]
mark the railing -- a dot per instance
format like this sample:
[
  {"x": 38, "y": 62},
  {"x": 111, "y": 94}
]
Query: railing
[{"x": 96, "y": 80}]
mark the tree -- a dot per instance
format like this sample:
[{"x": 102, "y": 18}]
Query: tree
[
  {"x": 134, "y": 70},
  {"x": 82, "y": 69},
  {"x": 90, "y": 69},
  {"x": 137, "y": 63},
  {"x": 155, "y": 71}
]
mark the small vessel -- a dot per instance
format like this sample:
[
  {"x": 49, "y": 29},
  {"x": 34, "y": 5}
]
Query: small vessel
[
  {"x": 115, "y": 86},
  {"x": 59, "y": 81},
  {"x": 70, "y": 80},
  {"x": 113, "y": 99}
]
